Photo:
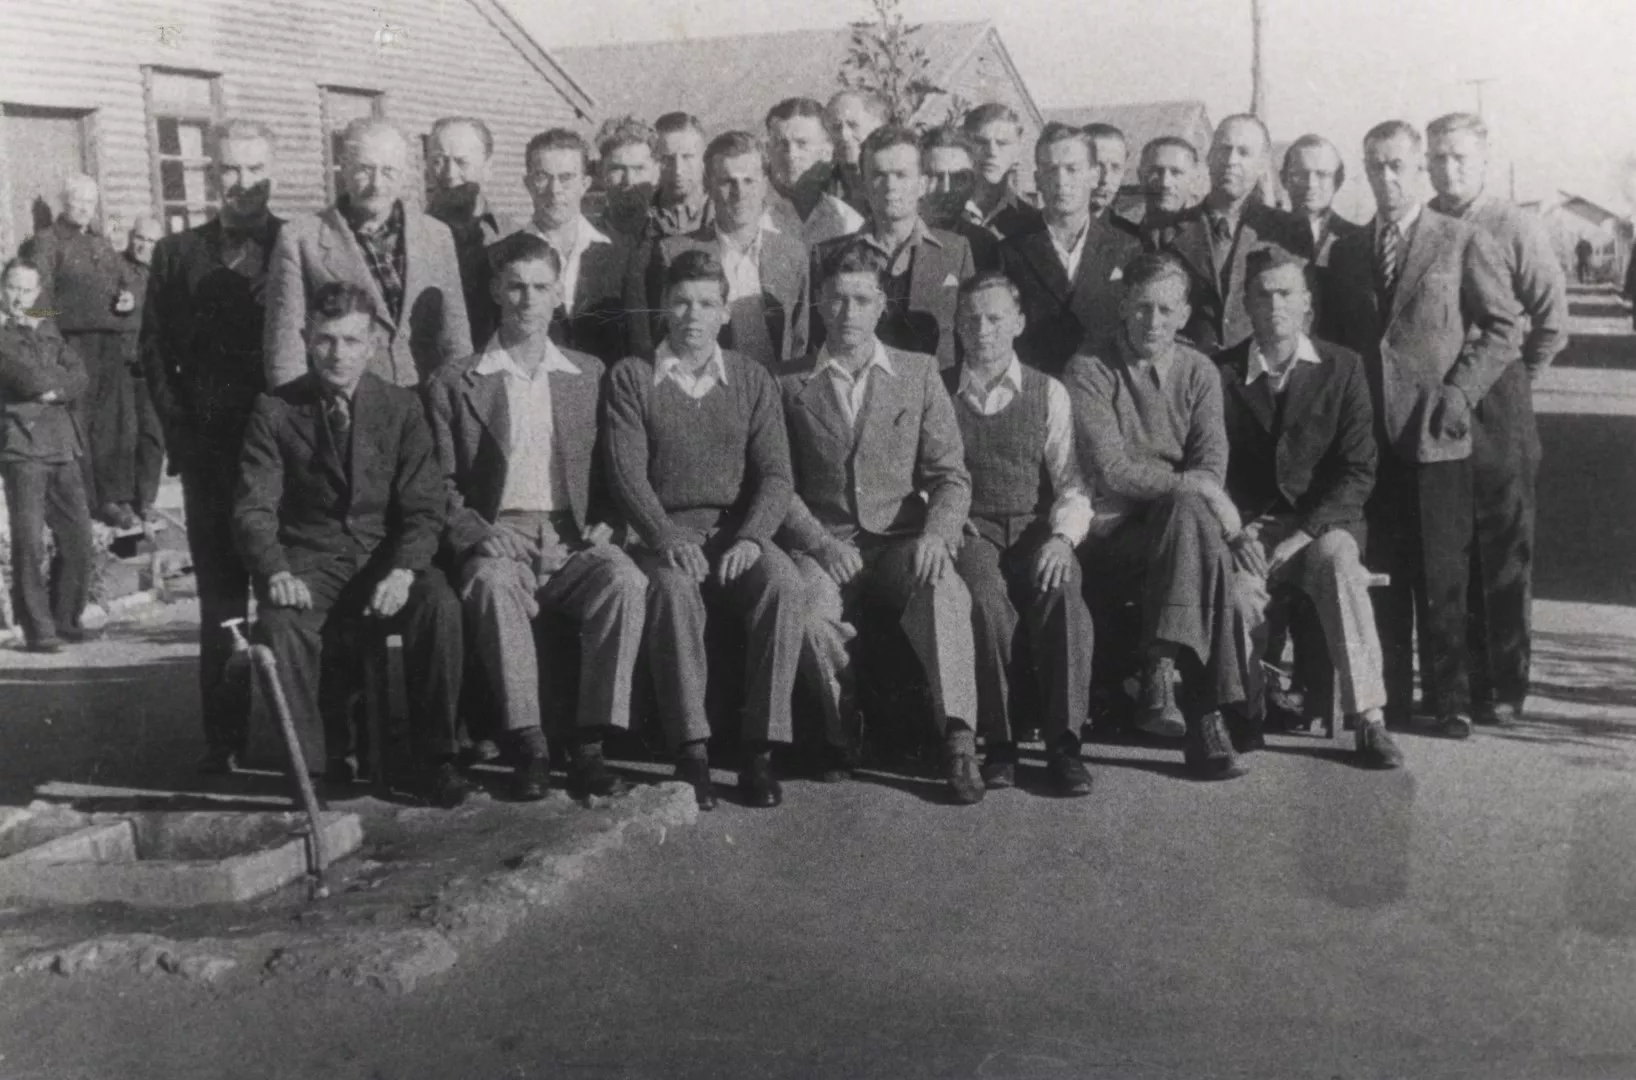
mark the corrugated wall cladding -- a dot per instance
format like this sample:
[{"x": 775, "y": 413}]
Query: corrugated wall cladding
[{"x": 429, "y": 57}]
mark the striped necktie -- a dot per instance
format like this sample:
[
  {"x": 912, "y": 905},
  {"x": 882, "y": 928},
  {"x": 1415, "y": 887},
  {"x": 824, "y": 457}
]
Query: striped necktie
[{"x": 1391, "y": 250}]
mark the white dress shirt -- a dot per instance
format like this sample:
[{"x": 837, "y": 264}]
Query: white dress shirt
[
  {"x": 667, "y": 365},
  {"x": 743, "y": 265},
  {"x": 1070, "y": 506},
  {"x": 850, "y": 389},
  {"x": 1404, "y": 224},
  {"x": 1070, "y": 256},
  {"x": 585, "y": 234},
  {"x": 1305, "y": 353},
  {"x": 534, "y": 477}
]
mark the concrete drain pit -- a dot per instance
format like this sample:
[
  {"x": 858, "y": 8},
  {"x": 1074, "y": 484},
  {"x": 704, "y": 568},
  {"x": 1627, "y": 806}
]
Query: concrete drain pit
[{"x": 165, "y": 859}]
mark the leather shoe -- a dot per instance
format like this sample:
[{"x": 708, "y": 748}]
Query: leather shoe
[
  {"x": 44, "y": 645},
  {"x": 960, "y": 767},
  {"x": 1159, "y": 714},
  {"x": 589, "y": 775},
  {"x": 1067, "y": 773},
  {"x": 1497, "y": 714},
  {"x": 1209, "y": 752},
  {"x": 696, "y": 771},
  {"x": 1376, "y": 747},
  {"x": 444, "y": 786},
  {"x": 839, "y": 765},
  {"x": 1454, "y": 725},
  {"x": 756, "y": 783},
  {"x": 217, "y": 762},
  {"x": 1000, "y": 766},
  {"x": 531, "y": 778}
]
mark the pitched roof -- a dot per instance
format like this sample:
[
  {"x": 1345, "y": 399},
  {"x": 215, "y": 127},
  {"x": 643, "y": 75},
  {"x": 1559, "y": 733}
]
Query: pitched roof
[
  {"x": 1143, "y": 121},
  {"x": 731, "y": 82},
  {"x": 531, "y": 49}
]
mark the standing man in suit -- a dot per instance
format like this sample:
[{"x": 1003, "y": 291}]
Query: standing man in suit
[
  {"x": 592, "y": 288},
  {"x": 339, "y": 508},
  {"x": 529, "y": 522},
  {"x": 801, "y": 160},
  {"x": 201, "y": 342},
  {"x": 1029, "y": 511},
  {"x": 625, "y": 149},
  {"x": 1148, "y": 421},
  {"x": 1166, "y": 175},
  {"x": 1300, "y": 464},
  {"x": 881, "y": 495},
  {"x": 996, "y": 133},
  {"x": 1504, "y": 440},
  {"x": 1068, "y": 267},
  {"x": 1424, "y": 300},
  {"x": 949, "y": 162},
  {"x": 768, "y": 295},
  {"x": 458, "y": 153},
  {"x": 1109, "y": 153},
  {"x": 924, "y": 266},
  {"x": 850, "y": 116},
  {"x": 126, "y": 409},
  {"x": 372, "y": 238},
  {"x": 1312, "y": 173},
  {"x": 1213, "y": 238},
  {"x": 700, "y": 466}
]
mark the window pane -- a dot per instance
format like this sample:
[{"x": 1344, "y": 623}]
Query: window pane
[
  {"x": 182, "y": 93},
  {"x": 345, "y": 106},
  {"x": 194, "y": 183},
  {"x": 172, "y": 181},
  {"x": 170, "y": 141},
  {"x": 192, "y": 137}
]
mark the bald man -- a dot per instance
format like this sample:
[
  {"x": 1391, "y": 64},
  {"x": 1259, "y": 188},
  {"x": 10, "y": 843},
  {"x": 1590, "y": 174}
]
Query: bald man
[
  {"x": 458, "y": 153},
  {"x": 851, "y": 116},
  {"x": 376, "y": 239}
]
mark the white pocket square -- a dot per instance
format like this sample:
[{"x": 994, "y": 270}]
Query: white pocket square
[
  {"x": 1117, "y": 275},
  {"x": 951, "y": 282}
]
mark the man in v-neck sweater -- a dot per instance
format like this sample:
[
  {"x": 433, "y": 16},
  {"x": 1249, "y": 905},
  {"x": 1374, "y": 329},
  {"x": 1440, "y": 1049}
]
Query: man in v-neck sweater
[{"x": 699, "y": 463}]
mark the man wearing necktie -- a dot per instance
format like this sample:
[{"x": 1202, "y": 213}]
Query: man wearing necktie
[
  {"x": 1424, "y": 300},
  {"x": 201, "y": 348},
  {"x": 339, "y": 509}
]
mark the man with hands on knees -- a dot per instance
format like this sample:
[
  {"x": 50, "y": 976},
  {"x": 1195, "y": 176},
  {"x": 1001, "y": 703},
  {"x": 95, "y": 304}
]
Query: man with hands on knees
[
  {"x": 337, "y": 515},
  {"x": 1029, "y": 511},
  {"x": 700, "y": 466},
  {"x": 881, "y": 497}
]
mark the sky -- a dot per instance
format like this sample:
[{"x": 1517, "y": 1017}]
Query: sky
[{"x": 1561, "y": 103}]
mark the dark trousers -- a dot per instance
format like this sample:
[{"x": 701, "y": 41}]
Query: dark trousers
[
  {"x": 108, "y": 414},
  {"x": 1505, "y": 456},
  {"x": 1169, "y": 559},
  {"x": 1420, "y": 532},
  {"x": 319, "y": 651},
  {"x": 1028, "y": 642},
  {"x": 224, "y": 593},
  {"x": 44, "y": 495}
]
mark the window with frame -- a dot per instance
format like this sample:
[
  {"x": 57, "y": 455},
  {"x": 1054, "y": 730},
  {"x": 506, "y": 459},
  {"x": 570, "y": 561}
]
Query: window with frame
[
  {"x": 341, "y": 106},
  {"x": 182, "y": 107}
]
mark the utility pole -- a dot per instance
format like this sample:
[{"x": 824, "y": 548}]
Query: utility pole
[
  {"x": 1258, "y": 60},
  {"x": 1477, "y": 85}
]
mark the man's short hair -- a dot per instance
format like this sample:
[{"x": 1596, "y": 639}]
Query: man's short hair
[
  {"x": 484, "y": 135},
  {"x": 1094, "y": 131},
  {"x": 18, "y": 262},
  {"x": 558, "y": 139},
  {"x": 362, "y": 128},
  {"x": 80, "y": 180},
  {"x": 792, "y": 108},
  {"x": 886, "y": 137},
  {"x": 990, "y": 112},
  {"x": 1169, "y": 141},
  {"x": 1245, "y": 118},
  {"x": 1313, "y": 142},
  {"x": 877, "y": 106},
  {"x": 1456, "y": 122},
  {"x": 237, "y": 130},
  {"x": 1055, "y": 132},
  {"x": 672, "y": 122},
  {"x": 1392, "y": 129},
  {"x": 521, "y": 247},
  {"x": 338, "y": 299},
  {"x": 731, "y": 144},
  {"x": 947, "y": 137},
  {"x": 618, "y": 132},
  {"x": 1148, "y": 268},
  {"x": 989, "y": 279},
  {"x": 852, "y": 255},
  {"x": 1265, "y": 260},
  {"x": 696, "y": 264}
]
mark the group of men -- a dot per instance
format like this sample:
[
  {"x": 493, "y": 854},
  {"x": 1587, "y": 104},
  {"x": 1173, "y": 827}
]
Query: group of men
[{"x": 838, "y": 383}]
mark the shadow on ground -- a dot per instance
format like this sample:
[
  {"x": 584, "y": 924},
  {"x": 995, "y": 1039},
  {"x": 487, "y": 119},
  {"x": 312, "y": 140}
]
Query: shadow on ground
[{"x": 1585, "y": 547}]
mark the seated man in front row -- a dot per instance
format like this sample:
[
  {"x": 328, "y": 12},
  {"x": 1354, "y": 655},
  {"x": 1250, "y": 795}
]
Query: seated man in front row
[
  {"x": 339, "y": 507},
  {"x": 1147, "y": 414},
  {"x": 516, "y": 433},
  {"x": 881, "y": 494},
  {"x": 1301, "y": 462},
  {"x": 1029, "y": 511},
  {"x": 700, "y": 465}
]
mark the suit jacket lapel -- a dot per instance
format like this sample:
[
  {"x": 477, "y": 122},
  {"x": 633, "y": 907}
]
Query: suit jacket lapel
[
  {"x": 1425, "y": 241},
  {"x": 414, "y": 242},
  {"x": 1191, "y": 244},
  {"x": 368, "y": 417},
  {"x": 346, "y": 262},
  {"x": 321, "y": 441},
  {"x": 573, "y": 430},
  {"x": 1303, "y": 384},
  {"x": 926, "y": 276},
  {"x": 1093, "y": 271},
  {"x": 1043, "y": 255},
  {"x": 817, "y": 397},
  {"x": 879, "y": 409},
  {"x": 1252, "y": 397},
  {"x": 485, "y": 398}
]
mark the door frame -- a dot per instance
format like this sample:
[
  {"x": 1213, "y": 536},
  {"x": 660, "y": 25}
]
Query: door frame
[{"x": 86, "y": 119}]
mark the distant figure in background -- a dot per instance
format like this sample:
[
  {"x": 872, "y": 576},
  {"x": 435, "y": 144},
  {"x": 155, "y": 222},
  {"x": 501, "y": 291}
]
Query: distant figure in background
[
  {"x": 83, "y": 284},
  {"x": 850, "y": 116},
  {"x": 679, "y": 205},
  {"x": 135, "y": 441},
  {"x": 201, "y": 342},
  {"x": 949, "y": 160},
  {"x": 996, "y": 133},
  {"x": 625, "y": 149},
  {"x": 800, "y": 161},
  {"x": 40, "y": 448},
  {"x": 1109, "y": 153},
  {"x": 1582, "y": 261},
  {"x": 1166, "y": 175},
  {"x": 458, "y": 151}
]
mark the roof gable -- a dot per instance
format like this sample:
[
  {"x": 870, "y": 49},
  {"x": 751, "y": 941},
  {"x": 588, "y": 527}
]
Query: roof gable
[{"x": 1143, "y": 121}]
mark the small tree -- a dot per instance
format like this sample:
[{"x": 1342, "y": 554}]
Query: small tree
[{"x": 884, "y": 58}]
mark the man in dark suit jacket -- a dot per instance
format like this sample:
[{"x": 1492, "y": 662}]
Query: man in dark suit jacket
[
  {"x": 403, "y": 258},
  {"x": 949, "y": 161},
  {"x": 1213, "y": 238},
  {"x": 1312, "y": 172},
  {"x": 996, "y": 135},
  {"x": 458, "y": 152},
  {"x": 924, "y": 266},
  {"x": 1424, "y": 300},
  {"x": 200, "y": 342},
  {"x": 1300, "y": 463},
  {"x": 1068, "y": 269},
  {"x": 339, "y": 508},
  {"x": 529, "y": 522},
  {"x": 766, "y": 267},
  {"x": 881, "y": 495}
]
